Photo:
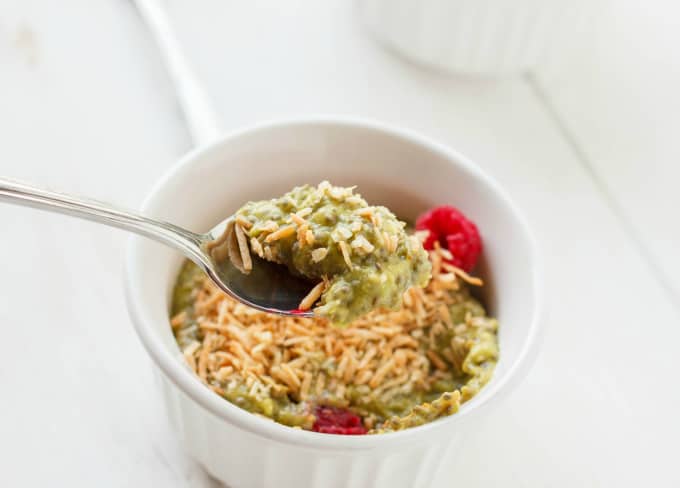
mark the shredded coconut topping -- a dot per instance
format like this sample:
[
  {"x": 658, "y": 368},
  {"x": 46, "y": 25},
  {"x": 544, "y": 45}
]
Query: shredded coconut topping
[{"x": 306, "y": 357}]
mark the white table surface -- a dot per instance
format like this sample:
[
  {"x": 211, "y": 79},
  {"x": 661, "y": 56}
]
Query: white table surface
[{"x": 85, "y": 107}]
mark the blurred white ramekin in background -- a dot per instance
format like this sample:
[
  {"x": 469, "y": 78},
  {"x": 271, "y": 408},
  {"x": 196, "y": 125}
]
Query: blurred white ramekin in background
[{"x": 476, "y": 37}]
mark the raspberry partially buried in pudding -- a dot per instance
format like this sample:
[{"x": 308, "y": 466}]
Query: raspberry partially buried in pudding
[
  {"x": 333, "y": 420},
  {"x": 453, "y": 231}
]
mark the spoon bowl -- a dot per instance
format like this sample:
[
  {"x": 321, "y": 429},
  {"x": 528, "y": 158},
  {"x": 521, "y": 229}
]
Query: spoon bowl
[{"x": 268, "y": 286}]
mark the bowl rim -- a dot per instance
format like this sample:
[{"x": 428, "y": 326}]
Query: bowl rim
[{"x": 184, "y": 379}]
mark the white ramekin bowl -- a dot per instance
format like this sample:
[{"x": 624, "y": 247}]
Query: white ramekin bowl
[
  {"x": 402, "y": 170},
  {"x": 476, "y": 37}
]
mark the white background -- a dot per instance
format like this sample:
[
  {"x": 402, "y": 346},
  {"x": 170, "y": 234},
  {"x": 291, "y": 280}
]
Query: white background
[{"x": 588, "y": 147}]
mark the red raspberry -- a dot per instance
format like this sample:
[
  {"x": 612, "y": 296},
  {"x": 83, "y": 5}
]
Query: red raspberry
[
  {"x": 333, "y": 420},
  {"x": 454, "y": 232}
]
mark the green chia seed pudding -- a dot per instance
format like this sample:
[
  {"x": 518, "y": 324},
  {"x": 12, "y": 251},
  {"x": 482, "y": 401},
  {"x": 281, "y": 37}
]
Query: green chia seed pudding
[
  {"x": 359, "y": 255},
  {"x": 407, "y": 359}
]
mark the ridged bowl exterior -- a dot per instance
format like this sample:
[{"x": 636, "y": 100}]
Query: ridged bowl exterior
[
  {"x": 403, "y": 170},
  {"x": 478, "y": 37},
  {"x": 245, "y": 460}
]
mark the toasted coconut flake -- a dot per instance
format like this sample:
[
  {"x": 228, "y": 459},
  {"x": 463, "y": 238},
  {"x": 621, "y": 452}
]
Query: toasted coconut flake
[
  {"x": 258, "y": 349},
  {"x": 446, "y": 254},
  {"x": 312, "y": 296},
  {"x": 377, "y": 235},
  {"x": 242, "y": 241},
  {"x": 340, "y": 389},
  {"x": 402, "y": 340},
  {"x": 282, "y": 233},
  {"x": 390, "y": 241},
  {"x": 320, "y": 384},
  {"x": 319, "y": 254},
  {"x": 381, "y": 373},
  {"x": 444, "y": 314},
  {"x": 361, "y": 243},
  {"x": 287, "y": 376},
  {"x": 376, "y": 220},
  {"x": 394, "y": 242},
  {"x": 437, "y": 361},
  {"x": 471, "y": 280},
  {"x": 293, "y": 341},
  {"x": 291, "y": 374},
  {"x": 256, "y": 247},
  {"x": 355, "y": 200},
  {"x": 243, "y": 222},
  {"x": 407, "y": 298},
  {"x": 340, "y": 372},
  {"x": 233, "y": 248},
  {"x": 191, "y": 349},
  {"x": 413, "y": 243},
  {"x": 351, "y": 368},
  {"x": 191, "y": 362},
  {"x": 269, "y": 226},
  {"x": 304, "y": 212},
  {"x": 203, "y": 364},
  {"x": 363, "y": 377},
  {"x": 218, "y": 248},
  {"x": 436, "y": 260},
  {"x": 447, "y": 277},
  {"x": 386, "y": 330},
  {"x": 215, "y": 327},
  {"x": 422, "y": 235},
  {"x": 370, "y": 354},
  {"x": 297, "y": 219},
  {"x": 344, "y": 249},
  {"x": 366, "y": 212},
  {"x": 306, "y": 384},
  {"x": 224, "y": 373},
  {"x": 338, "y": 193},
  {"x": 302, "y": 234},
  {"x": 178, "y": 320},
  {"x": 341, "y": 233}
]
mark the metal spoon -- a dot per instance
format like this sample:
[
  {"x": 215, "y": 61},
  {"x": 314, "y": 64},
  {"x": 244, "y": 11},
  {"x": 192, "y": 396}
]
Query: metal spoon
[{"x": 268, "y": 287}]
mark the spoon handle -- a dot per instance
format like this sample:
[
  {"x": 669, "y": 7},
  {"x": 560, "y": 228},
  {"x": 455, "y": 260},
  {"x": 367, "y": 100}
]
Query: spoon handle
[
  {"x": 22, "y": 194},
  {"x": 195, "y": 103}
]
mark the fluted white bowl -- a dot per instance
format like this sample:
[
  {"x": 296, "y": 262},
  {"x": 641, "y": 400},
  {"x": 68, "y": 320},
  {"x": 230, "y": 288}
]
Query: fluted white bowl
[
  {"x": 476, "y": 37},
  {"x": 402, "y": 170}
]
